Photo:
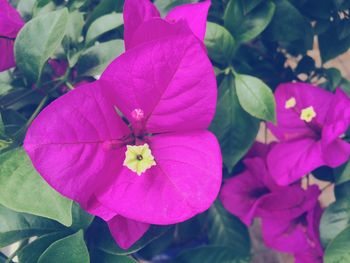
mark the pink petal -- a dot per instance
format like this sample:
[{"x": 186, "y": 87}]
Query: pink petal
[
  {"x": 259, "y": 150},
  {"x": 185, "y": 181},
  {"x": 289, "y": 202},
  {"x": 335, "y": 150},
  {"x": 336, "y": 153},
  {"x": 194, "y": 14},
  {"x": 308, "y": 256},
  {"x": 10, "y": 20},
  {"x": 7, "y": 58},
  {"x": 237, "y": 195},
  {"x": 314, "y": 253},
  {"x": 283, "y": 236},
  {"x": 313, "y": 220},
  {"x": 257, "y": 166},
  {"x": 70, "y": 145},
  {"x": 290, "y": 161},
  {"x": 135, "y": 13},
  {"x": 158, "y": 28},
  {"x": 247, "y": 195},
  {"x": 126, "y": 231},
  {"x": 289, "y": 125},
  {"x": 287, "y": 234},
  {"x": 338, "y": 118},
  {"x": 170, "y": 79},
  {"x": 94, "y": 207}
]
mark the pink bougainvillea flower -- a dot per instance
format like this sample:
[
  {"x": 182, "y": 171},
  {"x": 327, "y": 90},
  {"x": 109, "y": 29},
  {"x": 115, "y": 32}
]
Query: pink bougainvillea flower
[
  {"x": 309, "y": 256},
  {"x": 241, "y": 195},
  {"x": 299, "y": 233},
  {"x": 10, "y": 24},
  {"x": 310, "y": 123},
  {"x": 253, "y": 193},
  {"x": 59, "y": 68},
  {"x": 132, "y": 147},
  {"x": 314, "y": 252},
  {"x": 137, "y": 12}
]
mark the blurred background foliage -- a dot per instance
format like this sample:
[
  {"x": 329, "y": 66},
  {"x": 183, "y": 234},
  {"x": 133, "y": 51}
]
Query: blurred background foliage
[{"x": 253, "y": 44}]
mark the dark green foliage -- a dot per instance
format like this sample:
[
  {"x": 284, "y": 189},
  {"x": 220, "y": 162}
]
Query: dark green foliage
[{"x": 249, "y": 43}]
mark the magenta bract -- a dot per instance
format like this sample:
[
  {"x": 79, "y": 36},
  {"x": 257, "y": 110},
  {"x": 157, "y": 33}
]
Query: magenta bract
[
  {"x": 166, "y": 91},
  {"x": 137, "y": 12},
  {"x": 310, "y": 123},
  {"x": 253, "y": 193},
  {"x": 290, "y": 215},
  {"x": 10, "y": 24},
  {"x": 299, "y": 231}
]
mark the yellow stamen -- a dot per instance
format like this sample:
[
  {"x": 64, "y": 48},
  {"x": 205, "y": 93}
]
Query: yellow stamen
[
  {"x": 290, "y": 103},
  {"x": 139, "y": 158},
  {"x": 308, "y": 114}
]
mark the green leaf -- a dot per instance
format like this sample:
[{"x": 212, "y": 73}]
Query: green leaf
[
  {"x": 73, "y": 38},
  {"x": 160, "y": 244},
  {"x": 164, "y": 6},
  {"x": 334, "y": 78},
  {"x": 190, "y": 229},
  {"x": 287, "y": 23},
  {"x": 233, "y": 126},
  {"x": 103, "y": 240},
  {"x": 23, "y": 189},
  {"x": 4, "y": 88},
  {"x": 81, "y": 219},
  {"x": 76, "y": 4},
  {"x": 255, "y": 97},
  {"x": 2, "y": 127},
  {"x": 12, "y": 120},
  {"x": 104, "y": 7},
  {"x": 38, "y": 40},
  {"x": 330, "y": 44},
  {"x": 324, "y": 173},
  {"x": 102, "y": 25},
  {"x": 305, "y": 65},
  {"x": 249, "y": 5},
  {"x": 41, "y": 3},
  {"x": 246, "y": 26},
  {"x": 343, "y": 173},
  {"x": 338, "y": 250},
  {"x": 96, "y": 58},
  {"x": 99, "y": 256},
  {"x": 70, "y": 249},
  {"x": 343, "y": 29},
  {"x": 75, "y": 26},
  {"x": 210, "y": 254},
  {"x": 220, "y": 43},
  {"x": 345, "y": 86},
  {"x": 342, "y": 4},
  {"x": 31, "y": 99},
  {"x": 335, "y": 219},
  {"x": 3, "y": 258},
  {"x": 32, "y": 252},
  {"x": 17, "y": 226},
  {"x": 227, "y": 230},
  {"x": 25, "y": 8}
]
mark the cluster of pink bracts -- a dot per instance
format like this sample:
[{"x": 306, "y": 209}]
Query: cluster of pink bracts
[
  {"x": 165, "y": 87},
  {"x": 310, "y": 124}
]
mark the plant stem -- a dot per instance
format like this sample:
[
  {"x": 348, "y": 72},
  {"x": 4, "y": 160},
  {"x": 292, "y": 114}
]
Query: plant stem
[
  {"x": 22, "y": 131},
  {"x": 328, "y": 185},
  {"x": 37, "y": 110}
]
